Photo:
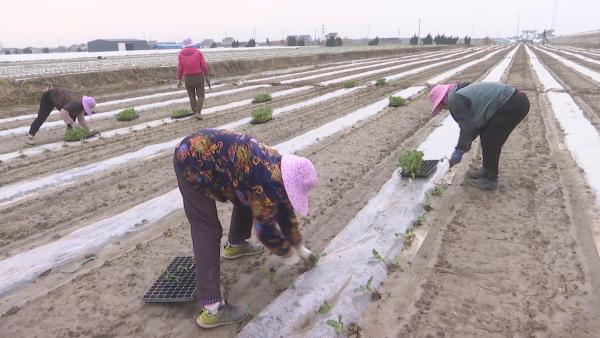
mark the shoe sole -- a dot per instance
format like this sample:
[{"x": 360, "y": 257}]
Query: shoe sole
[
  {"x": 212, "y": 326},
  {"x": 244, "y": 254}
]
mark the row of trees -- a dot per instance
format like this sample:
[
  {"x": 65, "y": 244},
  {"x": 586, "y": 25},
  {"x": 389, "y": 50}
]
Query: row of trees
[
  {"x": 332, "y": 41},
  {"x": 293, "y": 41},
  {"x": 439, "y": 40}
]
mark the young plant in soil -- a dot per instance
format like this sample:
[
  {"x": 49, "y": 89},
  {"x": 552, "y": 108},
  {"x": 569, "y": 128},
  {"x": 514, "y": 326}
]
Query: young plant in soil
[
  {"x": 127, "y": 115},
  {"x": 269, "y": 273},
  {"x": 350, "y": 84},
  {"x": 261, "y": 115},
  {"x": 409, "y": 237},
  {"x": 427, "y": 204},
  {"x": 380, "y": 82},
  {"x": 179, "y": 113},
  {"x": 324, "y": 308},
  {"x": 380, "y": 258},
  {"x": 411, "y": 162},
  {"x": 420, "y": 220},
  {"x": 366, "y": 287},
  {"x": 262, "y": 98},
  {"x": 76, "y": 134},
  {"x": 338, "y": 325},
  {"x": 437, "y": 191},
  {"x": 397, "y": 101}
]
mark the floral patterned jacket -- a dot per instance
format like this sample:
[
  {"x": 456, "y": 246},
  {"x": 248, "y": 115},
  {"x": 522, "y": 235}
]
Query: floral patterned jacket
[{"x": 230, "y": 166}]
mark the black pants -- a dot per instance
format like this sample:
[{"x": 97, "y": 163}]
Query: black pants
[
  {"x": 495, "y": 133},
  {"x": 46, "y": 107},
  {"x": 201, "y": 212}
]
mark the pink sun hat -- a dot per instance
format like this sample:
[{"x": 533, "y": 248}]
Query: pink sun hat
[
  {"x": 88, "y": 104},
  {"x": 188, "y": 43},
  {"x": 299, "y": 177},
  {"x": 437, "y": 95}
]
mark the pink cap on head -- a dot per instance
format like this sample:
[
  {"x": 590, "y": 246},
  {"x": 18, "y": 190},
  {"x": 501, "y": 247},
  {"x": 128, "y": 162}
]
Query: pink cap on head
[
  {"x": 299, "y": 177},
  {"x": 188, "y": 43},
  {"x": 437, "y": 95},
  {"x": 88, "y": 104}
]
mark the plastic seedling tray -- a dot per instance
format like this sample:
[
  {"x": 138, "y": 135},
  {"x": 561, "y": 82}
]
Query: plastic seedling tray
[
  {"x": 427, "y": 169},
  {"x": 176, "y": 284},
  {"x": 94, "y": 133}
]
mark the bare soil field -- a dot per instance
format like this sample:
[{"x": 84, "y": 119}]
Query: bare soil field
[{"x": 519, "y": 261}]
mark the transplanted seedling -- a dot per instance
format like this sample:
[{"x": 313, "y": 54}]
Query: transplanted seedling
[
  {"x": 437, "y": 191},
  {"x": 350, "y": 84},
  {"x": 366, "y": 287},
  {"x": 411, "y": 162},
  {"x": 380, "y": 258},
  {"x": 261, "y": 115},
  {"x": 409, "y": 237},
  {"x": 420, "y": 220},
  {"x": 127, "y": 115},
  {"x": 338, "y": 325},
  {"x": 262, "y": 98},
  {"x": 269, "y": 273},
  {"x": 427, "y": 204},
  {"x": 397, "y": 101},
  {"x": 380, "y": 82},
  {"x": 324, "y": 308}
]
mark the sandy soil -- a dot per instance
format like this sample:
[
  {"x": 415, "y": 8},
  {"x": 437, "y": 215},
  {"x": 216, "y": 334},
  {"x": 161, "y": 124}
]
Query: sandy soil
[
  {"x": 517, "y": 262},
  {"x": 103, "y": 298}
]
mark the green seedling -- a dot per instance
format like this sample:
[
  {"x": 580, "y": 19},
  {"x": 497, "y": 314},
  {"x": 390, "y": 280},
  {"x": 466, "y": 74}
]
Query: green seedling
[
  {"x": 261, "y": 115},
  {"x": 379, "y": 257},
  {"x": 366, "y": 287},
  {"x": 250, "y": 311},
  {"x": 127, "y": 115},
  {"x": 179, "y": 113},
  {"x": 411, "y": 162},
  {"x": 269, "y": 273},
  {"x": 427, "y": 204},
  {"x": 76, "y": 134},
  {"x": 380, "y": 82},
  {"x": 324, "y": 308},
  {"x": 185, "y": 268},
  {"x": 397, "y": 101},
  {"x": 262, "y": 98},
  {"x": 338, "y": 325},
  {"x": 409, "y": 237},
  {"x": 318, "y": 257},
  {"x": 350, "y": 84},
  {"x": 171, "y": 277},
  {"x": 420, "y": 220},
  {"x": 437, "y": 191}
]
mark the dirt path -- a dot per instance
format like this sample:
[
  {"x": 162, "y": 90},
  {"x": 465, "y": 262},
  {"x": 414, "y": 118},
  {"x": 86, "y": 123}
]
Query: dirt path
[
  {"x": 103, "y": 298},
  {"x": 514, "y": 262}
]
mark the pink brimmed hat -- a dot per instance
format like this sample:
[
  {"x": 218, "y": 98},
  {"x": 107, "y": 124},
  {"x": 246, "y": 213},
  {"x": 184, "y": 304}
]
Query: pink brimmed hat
[
  {"x": 188, "y": 42},
  {"x": 299, "y": 177},
  {"x": 88, "y": 104},
  {"x": 437, "y": 95}
]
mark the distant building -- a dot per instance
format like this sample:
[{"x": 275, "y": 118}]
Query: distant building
[
  {"x": 227, "y": 41},
  {"x": 166, "y": 45},
  {"x": 113, "y": 45}
]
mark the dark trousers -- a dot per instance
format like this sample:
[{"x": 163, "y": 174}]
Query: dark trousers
[
  {"x": 46, "y": 107},
  {"x": 201, "y": 212},
  {"x": 195, "y": 88},
  {"x": 495, "y": 133}
]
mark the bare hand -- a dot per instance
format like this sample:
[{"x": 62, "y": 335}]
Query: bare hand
[{"x": 179, "y": 84}]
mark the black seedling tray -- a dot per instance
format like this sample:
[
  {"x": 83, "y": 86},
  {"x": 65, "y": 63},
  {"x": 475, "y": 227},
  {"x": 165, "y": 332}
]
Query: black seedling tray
[
  {"x": 92, "y": 134},
  {"x": 176, "y": 284},
  {"x": 427, "y": 168}
]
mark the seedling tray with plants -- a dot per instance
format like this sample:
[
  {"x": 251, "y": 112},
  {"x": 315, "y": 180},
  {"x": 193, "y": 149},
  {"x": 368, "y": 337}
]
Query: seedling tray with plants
[
  {"x": 261, "y": 115},
  {"x": 78, "y": 134},
  {"x": 176, "y": 284},
  {"x": 262, "y": 98},
  {"x": 128, "y": 114},
  {"x": 181, "y": 113},
  {"x": 412, "y": 165}
]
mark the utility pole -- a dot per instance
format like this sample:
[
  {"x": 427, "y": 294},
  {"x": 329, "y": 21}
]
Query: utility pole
[
  {"x": 323, "y": 32},
  {"x": 254, "y": 33},
  {"x": 518, "y": 23},
  {"x": 368, "y": 31},
  {"x": 419, "y": 34},
  {"x": 554, "y": 15}
]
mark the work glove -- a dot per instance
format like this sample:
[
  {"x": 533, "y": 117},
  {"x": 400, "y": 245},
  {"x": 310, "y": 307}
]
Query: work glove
[
  {"x": 456, "y": 157},
  {"x": 179, "y": 84}
]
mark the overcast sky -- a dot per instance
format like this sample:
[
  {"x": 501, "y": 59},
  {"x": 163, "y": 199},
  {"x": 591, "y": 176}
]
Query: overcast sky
[{"x": 48, "y": 22}]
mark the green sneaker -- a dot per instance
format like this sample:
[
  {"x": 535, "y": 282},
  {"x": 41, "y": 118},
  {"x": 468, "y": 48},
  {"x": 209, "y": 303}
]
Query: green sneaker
[
  {"x": 246, "y": 249},
  {"x": 30, "y": 140},
  {"x": 227, "y": 315}
]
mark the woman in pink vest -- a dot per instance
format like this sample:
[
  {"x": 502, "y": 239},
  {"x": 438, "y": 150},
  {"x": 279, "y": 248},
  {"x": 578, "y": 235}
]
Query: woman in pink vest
[{"x": 194, "y": 69}]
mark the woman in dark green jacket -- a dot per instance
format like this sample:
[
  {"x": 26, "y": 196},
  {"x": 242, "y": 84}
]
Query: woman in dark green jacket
[{"x": 489, "y": 110}]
